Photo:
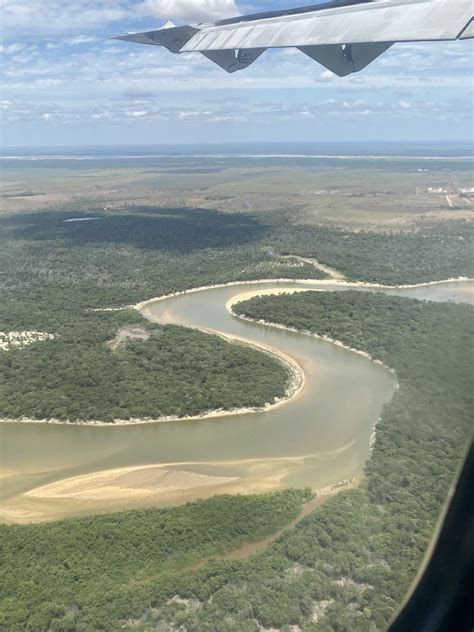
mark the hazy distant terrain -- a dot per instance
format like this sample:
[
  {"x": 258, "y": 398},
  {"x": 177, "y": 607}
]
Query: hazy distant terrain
[{"x": 355, "y": 186}]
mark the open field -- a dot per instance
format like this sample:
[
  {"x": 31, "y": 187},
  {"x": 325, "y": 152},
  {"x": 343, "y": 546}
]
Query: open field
[{"x": 357, "y": 194}]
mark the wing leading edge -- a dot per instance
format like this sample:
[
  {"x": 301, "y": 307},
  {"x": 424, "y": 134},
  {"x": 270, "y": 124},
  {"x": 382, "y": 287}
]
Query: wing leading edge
[{"x": 345, "y": 36}]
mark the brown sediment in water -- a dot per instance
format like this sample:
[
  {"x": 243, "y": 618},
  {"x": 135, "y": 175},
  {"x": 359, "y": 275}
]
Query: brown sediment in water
[
  {"x": 141, "y": 486},
  {"x": 297, "y": 379}
]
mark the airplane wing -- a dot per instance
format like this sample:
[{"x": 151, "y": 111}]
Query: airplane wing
[{"x": 344, "y": 36}]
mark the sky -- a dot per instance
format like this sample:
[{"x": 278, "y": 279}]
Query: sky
[{"x": 64, "y": 82}]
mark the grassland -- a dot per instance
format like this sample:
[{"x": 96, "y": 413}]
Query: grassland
[{"x": 382, "y": 195}]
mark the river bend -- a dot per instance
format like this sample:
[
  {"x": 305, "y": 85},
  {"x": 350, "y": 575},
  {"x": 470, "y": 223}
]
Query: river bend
[{"x": 318, "y": 438}]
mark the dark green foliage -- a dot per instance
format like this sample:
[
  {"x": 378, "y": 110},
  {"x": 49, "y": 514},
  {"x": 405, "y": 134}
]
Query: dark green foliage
[
  {"x": 372, "y": 541},
  {"x": 134, "y": 255},
  {"x": 89, "y": 573},
  {"x": 143, "y": 252},
  {"x": 439, "y": 251},
  {"x": 176, "y": 372},
  {"x": 55, "y": 273}
]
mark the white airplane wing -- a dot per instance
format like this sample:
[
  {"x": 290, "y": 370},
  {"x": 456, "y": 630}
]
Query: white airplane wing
[{"x": 344, "y": 36}]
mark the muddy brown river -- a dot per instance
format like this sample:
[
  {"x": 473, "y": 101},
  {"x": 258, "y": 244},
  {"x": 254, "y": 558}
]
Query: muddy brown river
[{"x": 318, "y": 438}]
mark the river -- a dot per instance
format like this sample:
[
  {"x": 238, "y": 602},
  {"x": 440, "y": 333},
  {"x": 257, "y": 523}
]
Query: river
[{"x": 318, "y": 438}]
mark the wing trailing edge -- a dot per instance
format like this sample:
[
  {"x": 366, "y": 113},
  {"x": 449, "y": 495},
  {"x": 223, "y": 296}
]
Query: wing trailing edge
[{"x": 344, "y": 36}]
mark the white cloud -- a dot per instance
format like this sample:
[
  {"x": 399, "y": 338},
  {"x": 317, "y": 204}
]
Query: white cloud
[
  {"x": 11, "y": 49},
  {"x": 326, "y": 76},
  {"x": 82, "y": 39},
  {"x": 190, "y": 10},
  {"x": 61, "y": 74},
  {"x": 56, "y": 16}
]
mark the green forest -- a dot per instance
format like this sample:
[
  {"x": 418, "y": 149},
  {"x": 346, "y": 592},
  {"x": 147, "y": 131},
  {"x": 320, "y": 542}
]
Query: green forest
[
  {"x": 344, "y": 568},
  {"x": 129, "y": 255},
  {"x": 53, "y": 274},
  {"x": 90, "y": 573},
  {"x": 176, "y": 372},
  {"x": 439, "y": 251}
]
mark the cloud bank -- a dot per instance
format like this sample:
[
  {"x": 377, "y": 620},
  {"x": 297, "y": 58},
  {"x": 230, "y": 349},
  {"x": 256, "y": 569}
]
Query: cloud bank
[{"x": 190, "y": 10}]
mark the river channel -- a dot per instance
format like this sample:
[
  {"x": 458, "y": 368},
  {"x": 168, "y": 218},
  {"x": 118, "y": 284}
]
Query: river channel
[{"x": 318, "y": 438}]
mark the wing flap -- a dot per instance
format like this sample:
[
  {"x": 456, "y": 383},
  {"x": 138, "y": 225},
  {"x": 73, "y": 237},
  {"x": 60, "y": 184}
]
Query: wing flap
[
  {"x": 232, "y": 61},
  {"x": 345, "y": 60},
  {"x": 171, "y": 38},
  {"x": 468, "y": 30}
]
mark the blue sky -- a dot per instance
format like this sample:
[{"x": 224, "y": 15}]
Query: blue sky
[{"x": 65, "y": 83}]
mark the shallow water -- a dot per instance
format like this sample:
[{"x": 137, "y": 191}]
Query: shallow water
[{"x": 317, "y": 439}]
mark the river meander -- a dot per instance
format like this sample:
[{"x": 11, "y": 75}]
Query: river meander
[{"x": 318, "y": 438}]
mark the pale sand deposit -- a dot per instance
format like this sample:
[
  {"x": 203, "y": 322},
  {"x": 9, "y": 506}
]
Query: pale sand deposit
[
  {"x": 141, "y": 481},
  {"x": 20, "y": 339},
  {"x": 126, "y": 482},
  {"x": 128, "y": 333}
]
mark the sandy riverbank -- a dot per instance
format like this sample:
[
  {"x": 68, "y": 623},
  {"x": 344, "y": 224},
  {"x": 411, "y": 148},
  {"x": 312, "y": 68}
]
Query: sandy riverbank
[
  {"x": 331, "y": 272},
  {"x": 303, "y": 332},
  {"x": 332, "y": 281},
  {"x": 297, "y": 378},
  {"x": 166, "y": 484},
  {"x": 243, "y": 297}
]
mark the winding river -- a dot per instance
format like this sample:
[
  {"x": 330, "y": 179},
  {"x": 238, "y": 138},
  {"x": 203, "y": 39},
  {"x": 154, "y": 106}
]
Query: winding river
[{"x": 318, "y": 438}]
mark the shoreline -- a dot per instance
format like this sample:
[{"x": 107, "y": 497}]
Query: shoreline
[
  {"x": 295, "y": 386},
  {"x": 306, "y": 332},
  {"x": 297, "y": 381},
  {"x": 105, "y": 483},
  {"x": 337, "y": 343},
  {"x": 332, "y": 281}
]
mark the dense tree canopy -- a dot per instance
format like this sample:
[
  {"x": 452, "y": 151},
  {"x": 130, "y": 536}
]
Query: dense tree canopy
[
  {"x": 89, "y": 573},
  {"x": 176, "y": 372},
  {"x": 440, "y": 251}
]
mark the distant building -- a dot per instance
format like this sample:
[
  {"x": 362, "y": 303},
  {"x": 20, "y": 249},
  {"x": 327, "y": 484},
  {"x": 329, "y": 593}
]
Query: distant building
[{"x": 436, "y": 190}]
